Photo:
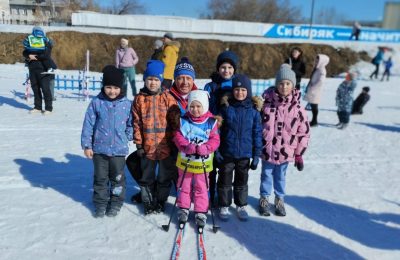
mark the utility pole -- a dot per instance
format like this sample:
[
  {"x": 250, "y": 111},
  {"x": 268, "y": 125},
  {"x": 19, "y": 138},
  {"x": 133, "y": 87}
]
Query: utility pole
[{"x": 311, "y": 19}]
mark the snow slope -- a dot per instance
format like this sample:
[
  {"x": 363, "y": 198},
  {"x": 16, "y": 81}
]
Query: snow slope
[{"x": 344, "y": 205}]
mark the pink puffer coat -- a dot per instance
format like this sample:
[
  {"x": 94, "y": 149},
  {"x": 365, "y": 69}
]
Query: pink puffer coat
[{"x": 286, "y": 130}]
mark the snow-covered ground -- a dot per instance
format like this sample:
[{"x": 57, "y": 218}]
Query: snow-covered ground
[{"x": 344, "y": 205}]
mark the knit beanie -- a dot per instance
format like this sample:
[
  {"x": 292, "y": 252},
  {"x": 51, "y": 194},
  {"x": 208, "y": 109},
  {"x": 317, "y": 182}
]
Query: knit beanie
[
  {"x": 158, "y": 44},
  {"x": 169, "y": 36},
  {"x": 154, "y": 68},
  {"x": 113, "y": 76},
  {"x": 285, "y": 72},
  {"x": 227, "y": 56},
  {"x": 242, "y": 81},
  {"x": 200, "y": 96},
  {"x": 37, "y": 31},
  {"x": 184, "y": 67}
]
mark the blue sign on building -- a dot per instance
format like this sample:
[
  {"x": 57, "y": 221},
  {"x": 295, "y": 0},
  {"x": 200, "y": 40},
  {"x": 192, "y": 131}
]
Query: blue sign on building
[{"x": 331, "y": 33}]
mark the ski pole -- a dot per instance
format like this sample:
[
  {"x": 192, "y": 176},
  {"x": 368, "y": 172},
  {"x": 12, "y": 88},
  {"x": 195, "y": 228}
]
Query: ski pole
[
  {"x": 215, "y": 227},
  {"x": 166, "y": 227}
]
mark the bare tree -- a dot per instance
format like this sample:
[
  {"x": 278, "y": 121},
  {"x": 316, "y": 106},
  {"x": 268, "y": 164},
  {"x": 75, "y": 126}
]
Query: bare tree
[
  {"x": 269, "y": 11},
  {"x": 125, "y": 7},
  {"x": 329, "y": 16}
]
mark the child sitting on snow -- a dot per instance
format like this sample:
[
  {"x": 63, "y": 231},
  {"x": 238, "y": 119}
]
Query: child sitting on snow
[
  {"x": 196, "y": 140},
  {"x": 360, "y": 101},
  {"x": 107, "y": 143}
]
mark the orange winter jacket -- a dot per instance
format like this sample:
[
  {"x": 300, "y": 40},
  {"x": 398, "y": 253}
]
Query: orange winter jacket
[{"x": 156, "y": 117}]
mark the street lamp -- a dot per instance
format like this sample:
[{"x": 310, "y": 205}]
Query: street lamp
[{"x": 311, "y": 19}]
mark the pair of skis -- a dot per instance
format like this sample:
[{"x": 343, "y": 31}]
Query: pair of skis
[{"x": 201, "y": 249}]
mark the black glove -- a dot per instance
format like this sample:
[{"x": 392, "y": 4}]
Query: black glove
[
  {"x": 140, "y": 151},
  {"x": 219, "y": 158},
  {"x": 298, "y": 162},
  {"x": 254, "y": 163}
]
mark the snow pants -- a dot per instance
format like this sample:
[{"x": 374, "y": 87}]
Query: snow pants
[
  {"x": 109, "y": 181},
  {"x": 193, "y": 186},
  {"x": 273, "y": 176},
  {"x": 344, "y": 117},
  {"x": 40, "y": 84},
  {"x": 240, "y": 178}
]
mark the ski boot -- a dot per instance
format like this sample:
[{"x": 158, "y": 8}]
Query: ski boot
[
  {"x": 201, "y": 219},
  {"x": 183, "y": 215}
]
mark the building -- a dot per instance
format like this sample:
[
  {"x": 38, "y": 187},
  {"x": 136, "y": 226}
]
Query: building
[
  {"x": 4, "y": 10},
  {"x": 40, "y": 12},
  {"x": 391, "y": 17}
]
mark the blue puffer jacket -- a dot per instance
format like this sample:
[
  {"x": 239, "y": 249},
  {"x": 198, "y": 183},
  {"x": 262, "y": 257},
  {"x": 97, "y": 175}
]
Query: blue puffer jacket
[
  {"x": 217, "y": 88},
  {"x": 107, "y": 127},
  {"x": 241, "y": 133}
]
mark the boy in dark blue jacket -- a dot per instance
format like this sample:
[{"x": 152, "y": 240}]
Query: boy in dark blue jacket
[{"x": 240, "y": 148}]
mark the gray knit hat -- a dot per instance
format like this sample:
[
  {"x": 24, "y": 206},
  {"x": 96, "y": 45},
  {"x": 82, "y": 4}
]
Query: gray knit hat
[{"x": 285, "y": 72}]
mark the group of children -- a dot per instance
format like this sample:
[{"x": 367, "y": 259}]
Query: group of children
[{"x": 222, "y": 127}]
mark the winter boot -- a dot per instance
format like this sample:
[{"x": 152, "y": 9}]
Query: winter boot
[
  {"x": 342, "y": 127},
  {"x": 279, "y": 207},
  {"x": 264, "y": 207},
  {"x": 201, "y": 219},
  {"x": 159, "y": 207},
  {"x": 183, "y": 215},
  {"x": 148, "y": 208},
  {"x": 224, "y": 213},
  {"x": 100, "y": 212},
  {"x": 112, "y": 211},
  {"x": 242, "y": 213}
]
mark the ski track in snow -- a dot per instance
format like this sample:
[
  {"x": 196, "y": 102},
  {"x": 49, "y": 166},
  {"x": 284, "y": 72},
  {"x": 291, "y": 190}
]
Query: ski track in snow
[{"x": 344, "y": 205}]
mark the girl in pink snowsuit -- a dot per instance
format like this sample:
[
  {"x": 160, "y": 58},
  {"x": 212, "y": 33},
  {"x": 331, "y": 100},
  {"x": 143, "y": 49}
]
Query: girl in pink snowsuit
[{"x": 196, "y": 140}]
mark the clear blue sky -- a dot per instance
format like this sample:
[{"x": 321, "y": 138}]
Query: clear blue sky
[{"x": 350, "y": 9}]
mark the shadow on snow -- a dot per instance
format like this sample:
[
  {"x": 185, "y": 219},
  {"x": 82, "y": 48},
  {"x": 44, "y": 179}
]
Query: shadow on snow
[{"x": 381, "y": 127}]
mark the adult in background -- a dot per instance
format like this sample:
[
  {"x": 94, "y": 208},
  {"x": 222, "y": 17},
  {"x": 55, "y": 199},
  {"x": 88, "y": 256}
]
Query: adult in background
[
  {"x": 356, "y": 31},
  {"x": 314, "y": 87},
  {"x": 158, "y": 48},
  {"x": 37, "y": 53},
  {"x": 296, "y": 63},
  {"x": 126, "y": 59},
  {"x": 377, "y": 62},
  {"x": 169, "y": 58}
]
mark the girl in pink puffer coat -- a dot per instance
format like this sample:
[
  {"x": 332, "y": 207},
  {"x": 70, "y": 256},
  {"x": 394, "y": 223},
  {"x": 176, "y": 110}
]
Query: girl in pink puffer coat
[{"x": 286, "y": 132}]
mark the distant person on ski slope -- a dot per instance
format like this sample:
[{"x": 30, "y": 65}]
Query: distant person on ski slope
[
  {"x": 286, "y": 132},
  {"x": 297, "y": 64},
  {"x": 240, "y": 148},
  {"x": 344, "y": 99},
  {"x": 106, "y": 142},
  {"x": 220, "y": 85},
  {"x": 356, "y": 31},
  {"x": 361, "y": 101},
  {"x": 196, "y": 139},
  {"x": 126, "y": 59},
  {"x": 169, "y": 58},
  {"x": 377, "y": 62},
  {"x": 158, "y": 47},
  {"x": 156, "y": 117},
  {"x": 388, "y": 66},
  {"x": 314, "y": 87},
  {"x": 37, "y": 53}
]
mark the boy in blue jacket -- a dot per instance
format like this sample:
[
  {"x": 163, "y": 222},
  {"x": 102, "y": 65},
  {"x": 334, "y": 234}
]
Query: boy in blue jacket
[
  {"x": 240, "y": 148},
  {"x": 106, "y": 131}
]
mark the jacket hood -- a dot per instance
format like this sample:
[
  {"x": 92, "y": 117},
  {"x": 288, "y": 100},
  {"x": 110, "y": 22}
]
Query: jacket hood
[
  {"x": 323, "y": 61},
  {"x": 174, "y": 44}
]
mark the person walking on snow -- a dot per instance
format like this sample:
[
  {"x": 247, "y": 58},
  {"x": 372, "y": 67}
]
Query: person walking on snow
[
  {"x": 126, "y": 59},
  {"x": 240, "y": 149},
  {"x": 196, "y": 139},
  {"x": 388, "y": 66},
  {"x": 286, "y": 132},
  {"x": 106, "y": 143},
  {"x": 377, "y": 62}
]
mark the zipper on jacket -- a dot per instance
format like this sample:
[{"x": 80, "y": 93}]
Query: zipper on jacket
[{"x": 154, "y": 125}]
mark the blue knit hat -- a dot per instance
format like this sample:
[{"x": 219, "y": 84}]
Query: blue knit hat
[
  {"x": 154, "y": 68},
  {"x": 184, "y": 67},
  {"x": 37, "y": 31},
  {"x": 242, "y": 81},
  {"x": 227, "y": 56}
]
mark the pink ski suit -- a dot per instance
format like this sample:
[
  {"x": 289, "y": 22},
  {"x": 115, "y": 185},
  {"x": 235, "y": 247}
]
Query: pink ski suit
[
  {"x": 194, "y": 183},
  {"x": 286, "y": 130}
]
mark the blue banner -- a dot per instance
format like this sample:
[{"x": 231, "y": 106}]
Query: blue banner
[{"x": 331, "y": 33}]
